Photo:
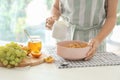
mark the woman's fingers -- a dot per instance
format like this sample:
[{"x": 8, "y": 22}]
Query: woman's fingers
[
  {"x": 92, "y": 51},
  {"x": 49, "y": 22},
  {"x": 90, "y": 54},
  {"x": 49, "y": 27}
]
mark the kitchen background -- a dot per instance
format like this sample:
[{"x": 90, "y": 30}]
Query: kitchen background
[{"x": 17, "y": 15}]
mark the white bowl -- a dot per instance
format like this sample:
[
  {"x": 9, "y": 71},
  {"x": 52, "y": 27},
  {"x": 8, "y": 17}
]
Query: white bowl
[{"x": 72, "y": 53}]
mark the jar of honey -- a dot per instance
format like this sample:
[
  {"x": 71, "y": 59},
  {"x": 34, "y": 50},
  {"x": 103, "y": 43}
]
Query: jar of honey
[{"x": 35, "y": 44}]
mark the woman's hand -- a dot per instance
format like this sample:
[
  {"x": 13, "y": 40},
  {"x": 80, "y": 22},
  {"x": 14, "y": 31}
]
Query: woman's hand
[
  {"x": 49, "y": 22},
  {"x": 94, "y": 43}
]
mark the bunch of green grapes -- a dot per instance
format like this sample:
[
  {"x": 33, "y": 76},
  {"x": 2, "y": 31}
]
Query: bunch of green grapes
[{"x": 11, "y": 55}]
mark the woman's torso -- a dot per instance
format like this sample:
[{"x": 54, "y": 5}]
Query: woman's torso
[
  {"x": 85, "y": 13},
  {"x": 85, "y": 18}
]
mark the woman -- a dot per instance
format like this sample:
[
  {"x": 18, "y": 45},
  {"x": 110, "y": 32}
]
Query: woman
[{"x": 88, "y": 20}]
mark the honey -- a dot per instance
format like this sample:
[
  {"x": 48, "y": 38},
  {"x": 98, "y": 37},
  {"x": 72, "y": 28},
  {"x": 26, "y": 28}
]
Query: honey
[{"x": 35, "y": 46}]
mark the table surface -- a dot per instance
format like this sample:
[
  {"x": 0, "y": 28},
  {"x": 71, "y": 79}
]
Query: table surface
[{"x": 51, "y": 72}]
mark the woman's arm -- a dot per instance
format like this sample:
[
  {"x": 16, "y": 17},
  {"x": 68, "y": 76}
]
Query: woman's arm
[
  {"x": 55, "y": 14},
  {"x": 55, "y": 9},
  {"x": 110, "y": 20},
  {"x": 106, "y": 28}
]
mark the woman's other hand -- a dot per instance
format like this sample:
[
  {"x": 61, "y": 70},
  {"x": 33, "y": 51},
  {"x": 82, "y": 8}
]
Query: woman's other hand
[
  {"x": 49, "y": 22},
  {"x": 55, "y": 15},
  {"x": 94, "y": 43}
]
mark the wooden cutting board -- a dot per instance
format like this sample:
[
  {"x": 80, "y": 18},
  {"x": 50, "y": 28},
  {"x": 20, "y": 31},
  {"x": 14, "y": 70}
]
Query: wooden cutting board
[{"x": 31, "y": 61}]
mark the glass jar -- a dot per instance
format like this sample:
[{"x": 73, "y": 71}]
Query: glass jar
[{"x": 35, "y": 44}]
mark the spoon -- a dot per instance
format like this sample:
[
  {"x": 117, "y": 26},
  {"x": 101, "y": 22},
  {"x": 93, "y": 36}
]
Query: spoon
[
  {"x": 28, "y": 35},
  {"x": 64, "y": 64}
]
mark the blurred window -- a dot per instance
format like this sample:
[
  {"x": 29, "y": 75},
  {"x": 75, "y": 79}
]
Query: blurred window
[{"x": 17, "y": 15}]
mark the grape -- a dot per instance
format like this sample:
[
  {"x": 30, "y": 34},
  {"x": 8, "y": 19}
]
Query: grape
[
  {"x": 1, "y": 53},
  {"x": 9, "y": 66},
  {"x": 7, "y": 58},
  {"x": 8, "y": 54},
  {"x": 17, "y": 60},
  {"x": 18, "y": 53},
  {"x": 16, "y": 64},
  {"x": 5, "y": 62},
  {"x": 1, "y": 59},
  {"x": 12, "y": 62},
  {"x": 11, "y": 55},
  {"x": 24, "y": 55}
]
